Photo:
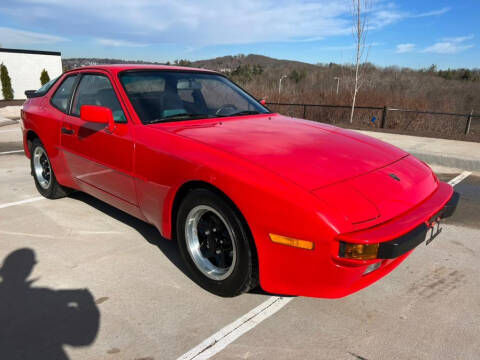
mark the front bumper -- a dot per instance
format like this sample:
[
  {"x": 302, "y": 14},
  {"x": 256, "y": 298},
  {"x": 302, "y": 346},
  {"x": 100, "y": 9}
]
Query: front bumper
[
  {"x": 323, "y": 273},
  {"x": 405, "y": 243},
  {"x": 397, "y": 238}
]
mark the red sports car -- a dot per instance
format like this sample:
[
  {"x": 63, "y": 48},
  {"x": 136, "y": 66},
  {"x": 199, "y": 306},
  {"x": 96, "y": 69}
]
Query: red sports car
[{"x": 251, "y": 196}]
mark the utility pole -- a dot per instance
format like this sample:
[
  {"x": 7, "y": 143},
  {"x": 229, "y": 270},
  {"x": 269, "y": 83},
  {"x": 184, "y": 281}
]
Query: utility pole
[{"x": 338, "y": 82}]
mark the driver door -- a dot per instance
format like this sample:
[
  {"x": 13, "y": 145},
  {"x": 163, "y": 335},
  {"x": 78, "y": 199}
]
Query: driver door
[{"x": 97, "y": 157}]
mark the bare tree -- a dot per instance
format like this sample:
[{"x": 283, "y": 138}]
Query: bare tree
[{"x": 360, "y": 10}]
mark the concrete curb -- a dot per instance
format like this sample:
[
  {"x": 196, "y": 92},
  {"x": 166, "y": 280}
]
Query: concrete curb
[
  {"x": 449, "y": 161},
  {"x": 447, "y": 153}
]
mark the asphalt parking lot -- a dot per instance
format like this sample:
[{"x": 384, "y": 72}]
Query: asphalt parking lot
[{"x": 104, "y": 285}]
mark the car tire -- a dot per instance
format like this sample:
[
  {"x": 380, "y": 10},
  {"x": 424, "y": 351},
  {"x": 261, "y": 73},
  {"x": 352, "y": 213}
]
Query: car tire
[
  {"x": 43, "y": 175},
  {"x": 215, "y": 244}
]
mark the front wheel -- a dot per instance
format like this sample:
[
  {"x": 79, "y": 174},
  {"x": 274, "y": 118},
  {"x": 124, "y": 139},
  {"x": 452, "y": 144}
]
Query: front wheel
[
  {"x": 214, "y": 243},
  {"x": 42, "y": 172}
]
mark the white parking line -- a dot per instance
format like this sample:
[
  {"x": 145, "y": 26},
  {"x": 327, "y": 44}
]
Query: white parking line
[
  {"x": 219, "y": 341},
  {"x": 11, "y": 152},
  {"x": 41, "y": 236},
  {"x": 459, "y": 178},
  {"x": 13, "y": 130},
  {"x": 26, "y": 201}
]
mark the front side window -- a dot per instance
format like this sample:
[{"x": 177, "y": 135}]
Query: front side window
[
  {"x": 61, "y": 98},
  {"x": 159, "y": 96},
  {"x": 97, "y": 90}
]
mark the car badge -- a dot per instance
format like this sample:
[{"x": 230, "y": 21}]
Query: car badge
[{"x": 395, "y": 177}]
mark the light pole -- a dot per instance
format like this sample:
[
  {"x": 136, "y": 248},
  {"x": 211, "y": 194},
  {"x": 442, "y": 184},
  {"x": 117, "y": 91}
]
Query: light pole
[
  {"x": 280, "y": 84},
  {"x": 338, "y": 82}
]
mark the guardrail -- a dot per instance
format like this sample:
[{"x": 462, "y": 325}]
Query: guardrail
[{"x": 385, "y": 110}]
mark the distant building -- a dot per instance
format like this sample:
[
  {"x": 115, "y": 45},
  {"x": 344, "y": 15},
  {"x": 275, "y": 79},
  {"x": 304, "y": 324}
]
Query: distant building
[{"x": 25, "y": 67}]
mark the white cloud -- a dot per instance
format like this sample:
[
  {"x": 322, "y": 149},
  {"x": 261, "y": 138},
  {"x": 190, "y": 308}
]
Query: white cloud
[
  {"x": 118, "y": 43},
  {"x": 459, "y": 39},
  {"x": 200, "y": 23},
  {"x": 432, "y": 13},
  {"x": 386, "y": 17},
  {"x": 446, "y": 48},
  {"x": 452, "y": 45},
  {"x": 14, "y": 37},
  {"x": 389, "y": 14},
  {"x": 405, "y": 48},
  {"x": 209, "y": 22}
]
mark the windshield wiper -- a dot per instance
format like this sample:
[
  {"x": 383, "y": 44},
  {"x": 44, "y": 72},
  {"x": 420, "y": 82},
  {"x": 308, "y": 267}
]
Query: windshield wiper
[
  {"x": 183, "y": 116},
  {"x": 244, "y": 112}
]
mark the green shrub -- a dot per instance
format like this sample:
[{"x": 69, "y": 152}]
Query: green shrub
[
  {"x": 44, "y": 77},
  {"x": 7, "y": 90}
]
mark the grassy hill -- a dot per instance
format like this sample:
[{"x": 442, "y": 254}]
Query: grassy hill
[{"x": 230, "y": 63}]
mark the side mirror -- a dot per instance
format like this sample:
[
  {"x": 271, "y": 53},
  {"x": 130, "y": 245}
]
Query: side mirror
[
  {"x": 97, "y": 114},
  {"x": 263, "y": 101}
]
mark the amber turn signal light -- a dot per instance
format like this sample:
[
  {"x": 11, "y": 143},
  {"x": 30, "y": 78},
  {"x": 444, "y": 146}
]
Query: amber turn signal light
[
  {"x": 358, "y": 251},
  {"x": 284, "y": 240}
]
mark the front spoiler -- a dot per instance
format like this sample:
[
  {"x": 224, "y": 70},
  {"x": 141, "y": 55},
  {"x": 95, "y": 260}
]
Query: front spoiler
[{"x": 405, "y": 243}]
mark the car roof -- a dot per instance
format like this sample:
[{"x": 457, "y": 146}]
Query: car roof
[{"x": 116, "y": 68}]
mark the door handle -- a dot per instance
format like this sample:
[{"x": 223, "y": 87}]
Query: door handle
[{"x": 67, "y": 131}]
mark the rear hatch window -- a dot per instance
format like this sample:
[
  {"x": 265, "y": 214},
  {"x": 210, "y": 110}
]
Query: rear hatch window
[{"x": 43, "y": 90}]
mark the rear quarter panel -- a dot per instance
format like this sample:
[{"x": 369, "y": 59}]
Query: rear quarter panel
[
  {"x": 44, "y": 120},
  {"x": 40, "y": 119}
]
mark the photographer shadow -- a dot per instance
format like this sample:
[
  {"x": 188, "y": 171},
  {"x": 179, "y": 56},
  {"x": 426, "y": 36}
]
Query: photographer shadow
[{"x": 35, "y": 322}]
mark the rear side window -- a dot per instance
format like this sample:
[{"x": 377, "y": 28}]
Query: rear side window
[
  {"x": 61, "y": 98},
  {"x": 97, "y": 90}
]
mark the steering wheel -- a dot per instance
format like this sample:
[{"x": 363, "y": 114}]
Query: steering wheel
[{"x": 222, "y": 110}]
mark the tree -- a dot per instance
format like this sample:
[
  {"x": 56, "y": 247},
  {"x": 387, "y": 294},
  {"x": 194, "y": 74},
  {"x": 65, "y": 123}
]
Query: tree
[
  {"x": 467, "y": 75},
  {"x": 297, "y": 76},
  {"x": 257, "y": 69},
  {"x": 242, "y": 73},
  {"x": 183, "y": 62},
  {"x": 432, "y": 69},
  {"x": 446, "y": 74},
  {"x": 44, "y": 77},
  {"x": 7, "y": 90},
  {"x": 360, "y": 28}
]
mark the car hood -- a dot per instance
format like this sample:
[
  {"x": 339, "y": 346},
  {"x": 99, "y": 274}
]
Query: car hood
[
  {"x": 382, "y": 194},
  {"x": 310, "y": 154}
]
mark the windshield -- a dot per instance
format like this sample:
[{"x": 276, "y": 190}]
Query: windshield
[{"x": 162, "y": 96}]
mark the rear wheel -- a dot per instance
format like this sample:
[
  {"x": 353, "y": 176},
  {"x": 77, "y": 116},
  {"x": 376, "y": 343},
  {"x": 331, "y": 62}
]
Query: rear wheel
[
  {"x": 215, "y": 244},
  {"x": 43, "y": 175}
]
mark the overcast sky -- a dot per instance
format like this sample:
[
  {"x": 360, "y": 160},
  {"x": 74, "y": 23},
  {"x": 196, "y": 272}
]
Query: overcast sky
[{"x": 405, "y": 33}]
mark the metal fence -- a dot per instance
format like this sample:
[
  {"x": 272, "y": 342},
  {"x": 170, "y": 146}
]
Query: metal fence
[{"x": 382, "y": 117}]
